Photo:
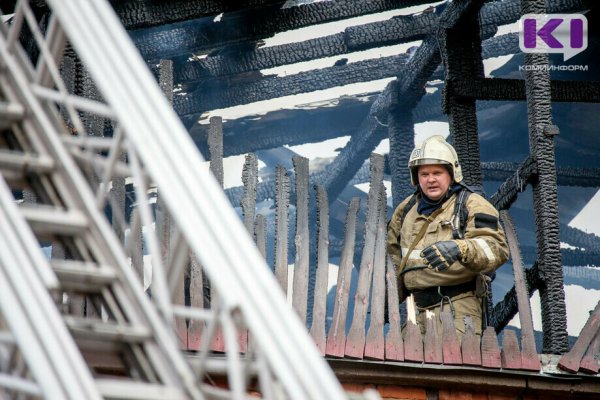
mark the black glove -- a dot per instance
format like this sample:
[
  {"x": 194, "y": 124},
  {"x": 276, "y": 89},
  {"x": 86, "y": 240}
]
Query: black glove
[{"x": 441, "y": 255}]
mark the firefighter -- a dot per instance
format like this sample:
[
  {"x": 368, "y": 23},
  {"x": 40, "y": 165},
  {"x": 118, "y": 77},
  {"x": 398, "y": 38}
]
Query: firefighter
[{"x": 444, "y": 240}]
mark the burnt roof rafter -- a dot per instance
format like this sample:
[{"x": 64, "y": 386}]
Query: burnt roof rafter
[
  {"x": 204, "y": 99},
  {"x": 204, "y": 35},
  {"x": 399, "y": 29},
  {"x": 136, "y": 14},
  {"x": 514, "y": 89}
]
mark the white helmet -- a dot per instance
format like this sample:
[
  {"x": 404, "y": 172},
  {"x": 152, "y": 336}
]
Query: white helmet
[{"x": 434, "y": 150}]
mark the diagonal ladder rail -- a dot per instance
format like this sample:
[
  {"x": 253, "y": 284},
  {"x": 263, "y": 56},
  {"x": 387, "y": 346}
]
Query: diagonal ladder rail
[{"x": 59, "y": 166}]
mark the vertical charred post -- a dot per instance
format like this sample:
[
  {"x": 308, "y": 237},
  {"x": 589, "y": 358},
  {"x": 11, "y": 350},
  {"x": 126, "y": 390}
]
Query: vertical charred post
[
  {"x": 215, "y": 148},
  {"x": 250, "y": 180},
  {"x": 401, "y": 130},
  {"x": 301, "y": 264},
  {"x": 317, "y": 329},
  {"x": 282, "y": 205},
  {"x": 545, "y": 198},
  {"x": 462, "y": 60}
]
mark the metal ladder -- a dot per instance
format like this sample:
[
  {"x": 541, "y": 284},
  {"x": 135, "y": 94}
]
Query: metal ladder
[{"x": 76, "y": 323}]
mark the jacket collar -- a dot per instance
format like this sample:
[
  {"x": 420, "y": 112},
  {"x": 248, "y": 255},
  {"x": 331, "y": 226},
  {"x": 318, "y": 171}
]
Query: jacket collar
[{"x": 426, "y": 206}]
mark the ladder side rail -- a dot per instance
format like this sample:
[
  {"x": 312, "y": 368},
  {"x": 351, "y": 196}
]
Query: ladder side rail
[
  {"x": 49, "y": 349},
  {"x": 176, "y": 166}
]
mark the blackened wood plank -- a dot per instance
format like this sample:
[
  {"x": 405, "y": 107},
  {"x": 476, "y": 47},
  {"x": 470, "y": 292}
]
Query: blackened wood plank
[
  {"x": 510, "y": 354},
  {"x": 195, "y": 327},
  {"x": 260, "y": 233},
  {"x": 336, "y": 337},
  {"x": 570, "y": 361},
  {"x": 282, "y": 203},
  {"x": 240, "y": 28},
  {"x": 317, "y": 329},
  {"x": 374, "y": 345},
  {"x": 250, "y": 180},
  {"x": 355, "y": 342},
  {"x": 300, "y": 286},
  {"x": 163, "y": 225},
  {"x": 136, "y": 14},
  {"x": 215, "y": 148},
  {"x": 394, "y": 345},
  {"x": 529, "y": 357}
]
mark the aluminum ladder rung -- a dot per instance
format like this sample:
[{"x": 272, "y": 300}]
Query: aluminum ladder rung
[
  {"x": 127, "y": 390},
  {"x": 45, "y": 219},
  {"x": 83, "y": 276},
  {"x": 94, "y": 329},
  {"x": 23, "y": 163},
  {"x": 9, "y": 113}
]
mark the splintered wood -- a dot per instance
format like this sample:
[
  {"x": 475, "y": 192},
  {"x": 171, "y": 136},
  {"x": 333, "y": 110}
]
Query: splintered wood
[
  {"x": 336, "y": 338},
  {"x": 529, "y": 357},
  {"x": 355, "y": 343},
  {"x": 374, "y": 346},
  {"x": 317, "y": 329}
]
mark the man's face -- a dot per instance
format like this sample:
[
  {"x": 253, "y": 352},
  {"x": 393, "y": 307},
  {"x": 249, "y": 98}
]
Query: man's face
[{"x": 434, "y": 180}]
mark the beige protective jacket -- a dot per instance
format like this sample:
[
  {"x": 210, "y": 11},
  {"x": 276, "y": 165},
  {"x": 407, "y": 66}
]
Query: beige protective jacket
[{"x": 486, "y": 243}]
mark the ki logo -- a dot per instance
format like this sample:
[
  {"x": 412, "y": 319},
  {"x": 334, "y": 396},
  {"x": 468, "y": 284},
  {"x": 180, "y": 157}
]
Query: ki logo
[{"x": 553, "y": 33}]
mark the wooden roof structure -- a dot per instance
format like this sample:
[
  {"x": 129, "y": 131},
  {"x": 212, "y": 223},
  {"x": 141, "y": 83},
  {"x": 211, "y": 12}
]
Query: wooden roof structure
[{"x": 211, "y": 54}]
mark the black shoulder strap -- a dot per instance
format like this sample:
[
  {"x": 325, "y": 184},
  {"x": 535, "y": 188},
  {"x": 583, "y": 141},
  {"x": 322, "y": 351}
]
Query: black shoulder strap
[
  {"x": 410, "y": 204},
  {"x": 460, "y": 214}
]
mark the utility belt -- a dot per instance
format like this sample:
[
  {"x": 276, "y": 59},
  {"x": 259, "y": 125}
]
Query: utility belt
[{"x": 434, "y": 295}]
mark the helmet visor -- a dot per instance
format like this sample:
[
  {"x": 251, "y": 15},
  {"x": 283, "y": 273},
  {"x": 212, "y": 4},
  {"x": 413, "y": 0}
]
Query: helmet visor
[{"x": 428, "y": 161}]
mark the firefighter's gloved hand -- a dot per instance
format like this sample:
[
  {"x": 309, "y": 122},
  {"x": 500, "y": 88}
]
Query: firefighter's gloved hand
[{"x": 441, "y": 255}]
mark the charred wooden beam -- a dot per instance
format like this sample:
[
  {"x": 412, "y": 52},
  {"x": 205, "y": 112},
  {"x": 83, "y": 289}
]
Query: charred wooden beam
[
  {"x": 462, "y": 59},
  {"x": 506, "y": 309},
  {"x": 566, "y": 176},
  {"x": 397, "y": 30},
  {"x": 545, "y": 196},
  {"x": 506, "y": 12},
  {"x": 501, "y": 45},
  {"x": 514, "y": 89},
  {"x": 507, "y": 193},
  {"x": 578, "y": 238},
  {"x": 146, "y": 13},
  {"x": 401, "y": 131},
  {"x": 204, "y": 34},
  {"x": 570, "y": 257},
  {"x": 281, "y": 127},
  {"x": 215, "y": 95}
]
